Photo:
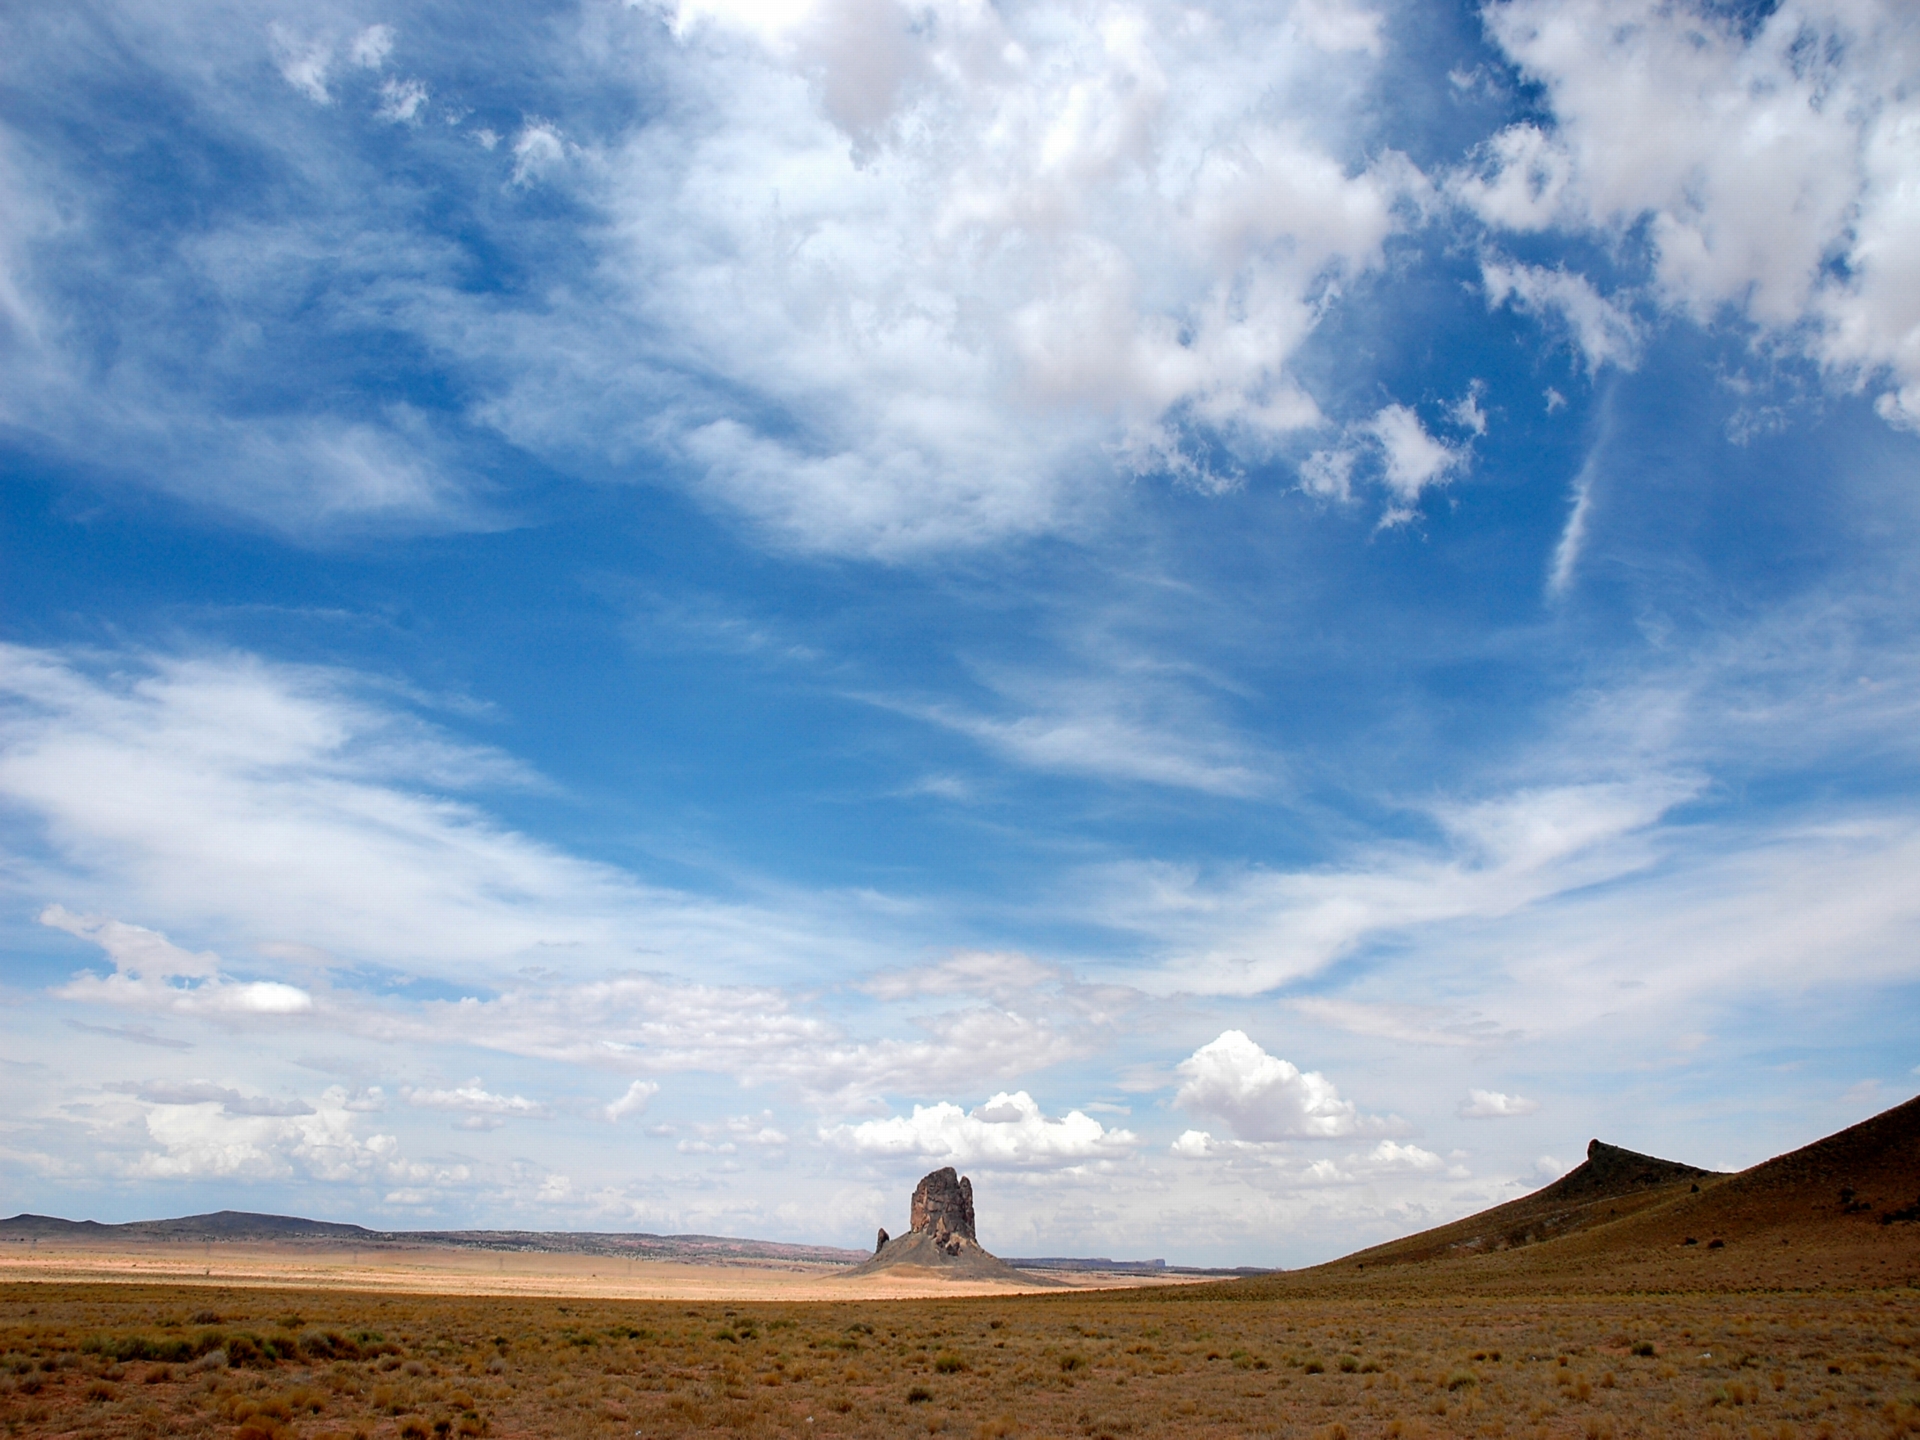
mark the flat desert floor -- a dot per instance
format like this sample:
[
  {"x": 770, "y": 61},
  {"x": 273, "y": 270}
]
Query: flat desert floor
[
  {"x": 1246, "y": 1358},
  {"x": 447, "y": 1270}
]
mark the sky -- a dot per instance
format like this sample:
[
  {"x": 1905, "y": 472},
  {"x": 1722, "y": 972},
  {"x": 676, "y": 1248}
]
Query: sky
[{"x": 1249, "y": 621}]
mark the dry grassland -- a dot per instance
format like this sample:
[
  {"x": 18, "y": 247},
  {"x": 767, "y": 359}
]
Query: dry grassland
[{"x": 258, "y": 1364}]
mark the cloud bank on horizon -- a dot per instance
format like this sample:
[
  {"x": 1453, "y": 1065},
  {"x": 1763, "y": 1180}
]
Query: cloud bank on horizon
[{"x": 1244, "y": 619}]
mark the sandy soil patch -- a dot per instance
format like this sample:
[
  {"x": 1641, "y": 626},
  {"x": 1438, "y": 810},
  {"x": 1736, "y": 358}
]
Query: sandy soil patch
[{"x": 437, "y": 1270}]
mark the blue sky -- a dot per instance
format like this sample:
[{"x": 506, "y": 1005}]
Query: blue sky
[{"x": 1249, "y": 622}]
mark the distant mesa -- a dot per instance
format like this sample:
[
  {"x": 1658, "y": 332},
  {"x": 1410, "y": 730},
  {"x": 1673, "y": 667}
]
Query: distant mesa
[{"x": 941, "y": 1237}]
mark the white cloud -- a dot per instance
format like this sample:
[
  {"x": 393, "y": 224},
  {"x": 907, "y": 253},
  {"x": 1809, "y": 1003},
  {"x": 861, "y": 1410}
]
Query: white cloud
[
  {"x": 1603, "y": 332},
  {"x": 634, "y": 1101},
  {"x": 1008, "y": 1130},
  {"x": 1194, "y": 1145},
  {"x": 1573, "y": 535},
  {"x": 1493, "y": 1105},
  {"x": 1002, "y": 974},
  {"x": 471, "y": 1098},
  {"x": 401, "y": 101},
  {"x": 755, "y": 1132},
  {"x": 538, "y": 150},
  {"x": 303, "y": 62},
  {"x": 1414, "y": 460},
  {"x": 206, "y": 1139},
  {"x": 1754, "y": 156},
  {"x": 904, "y": 277},
  {"x": 314, "y": 820},
  {"x": 1405, "y": 457},
  {"x": 1264, "y": 1098},
  {"x": 1108, "y": 744},
  {"x": 1329, "y": 474},
  {"x": 146, "y": 964},
  {"x": 1246, "y": 931},
  {"x": 1393, "y": 1155},
  {"x": 370, "y": 48}
]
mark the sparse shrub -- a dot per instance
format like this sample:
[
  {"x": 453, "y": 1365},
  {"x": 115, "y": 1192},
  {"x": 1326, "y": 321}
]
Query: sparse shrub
[
  {"x": 1462, "y": 1379},
  {"x": 1644, "y": 1349},
  {"x": 949, "y": 1364},
  {"x": 1314, "y": 1367},
  {"x": 1074, "y": 1360},
  {"x": 919, "y": 1395}
]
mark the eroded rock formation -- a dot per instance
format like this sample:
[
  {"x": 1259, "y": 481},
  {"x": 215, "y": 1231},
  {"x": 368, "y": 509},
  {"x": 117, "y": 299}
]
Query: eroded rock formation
[
  {"x": 943, "y": 1210},
  {"x": 942, "y": 1240}
]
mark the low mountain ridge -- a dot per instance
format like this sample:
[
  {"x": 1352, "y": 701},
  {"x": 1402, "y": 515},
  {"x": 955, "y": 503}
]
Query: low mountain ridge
[
  {"x": 240, "y": 1226},
  {"x": 1609, "y": 1183},
  {"x": 1841, "y": 1212}
]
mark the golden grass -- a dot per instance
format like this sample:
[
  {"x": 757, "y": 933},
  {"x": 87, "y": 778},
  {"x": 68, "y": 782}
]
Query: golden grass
[{"x": 144, "y": 1360}]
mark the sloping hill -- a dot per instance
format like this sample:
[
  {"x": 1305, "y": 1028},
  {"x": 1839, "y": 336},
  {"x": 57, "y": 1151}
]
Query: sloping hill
[
  {"x": 1610, "y": 1183},
  {"x": 1841, "y": 1212},
  {"x": 1848, "y": 1204}
]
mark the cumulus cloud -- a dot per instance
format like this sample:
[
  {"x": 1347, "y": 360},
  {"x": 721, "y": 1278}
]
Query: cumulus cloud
[
  {"x": 1494, "y": 1105},
  {"x": 1396, "y": 448},
  {"x": 1026, "y": 238},
  {"x": 1769, "y": 164},
  {"x": 634, "y": 1101},
  {"x": 1413, "y": 459},
  {"x": 1263, "y": 1098},
  {"x": 1008, "y": 1130},
  {"x": 196, "y": 1139}
]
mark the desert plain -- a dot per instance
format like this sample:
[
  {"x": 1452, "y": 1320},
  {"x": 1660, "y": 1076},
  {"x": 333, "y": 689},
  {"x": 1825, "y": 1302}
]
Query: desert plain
[{"x": 1631, "y": 1298}]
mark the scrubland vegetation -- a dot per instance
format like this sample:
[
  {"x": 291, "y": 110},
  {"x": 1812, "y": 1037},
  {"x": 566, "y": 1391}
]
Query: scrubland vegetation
[{"x": 273, "y": 1365}]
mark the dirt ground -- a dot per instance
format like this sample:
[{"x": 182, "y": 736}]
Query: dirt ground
[
  {"x": 257, "y": 1363},
  {"x": 447, "y": 1270}
]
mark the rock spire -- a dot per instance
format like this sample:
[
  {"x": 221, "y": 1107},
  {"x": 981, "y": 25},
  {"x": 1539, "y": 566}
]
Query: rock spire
[{"x": 943, "y": 1210}]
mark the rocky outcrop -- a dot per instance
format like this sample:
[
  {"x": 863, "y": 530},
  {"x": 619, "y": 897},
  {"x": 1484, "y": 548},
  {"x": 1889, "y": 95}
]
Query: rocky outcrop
[
  {"x": 943, "y": 1209},
  {"x": 881, "y": 1243},
  {"x": 942, "y": 1240}
]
